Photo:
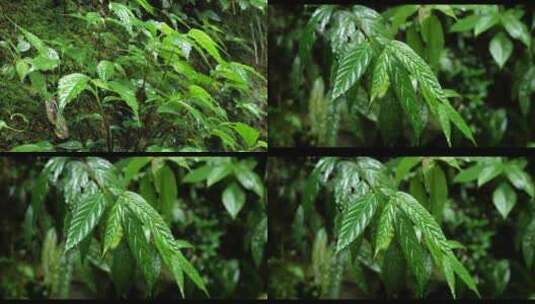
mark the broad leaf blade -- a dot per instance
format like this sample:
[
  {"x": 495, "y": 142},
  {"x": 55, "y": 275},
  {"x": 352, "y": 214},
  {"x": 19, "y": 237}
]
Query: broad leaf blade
[
  {"x": 407, "y": 97},
  {"x": 380, "y": 80},
  {"x": 85, "y": 217},
  {"x": 355, "y": 219},
  {"x": 504, "y": 199},
  {"x": 461, "y": 271},
  {"x": 70, "y": 87},
  {"x": 351, "y": 67},
  {"x": 501, "y": 49},
  {"x": 114, "y": 228},
  {"x": 233, "y": 199},
  {"x": 145, "y": 255},
  {"x": 413, "y": 253},
  {"x": 385, "y": 228}
]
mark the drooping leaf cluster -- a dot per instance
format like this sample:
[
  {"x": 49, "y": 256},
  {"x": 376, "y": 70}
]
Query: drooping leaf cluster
[
  {"x": 120, "y": 218},
  {"x": 399, "y": 75},
  {"x": 402, "y": 227}
]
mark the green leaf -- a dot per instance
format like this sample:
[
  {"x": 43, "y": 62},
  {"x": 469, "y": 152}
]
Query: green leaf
[
  {"x": 218, "y": 173},
  {"x": 34, "y": 41},
  {"x": 520, "y": 179},
  {"x": 191, "y": 272},
  {"x": 485, "y": 22},
  {"x": 491, "y": 170},
  {"x": 458, "y": 121},
  {"x": 127, "y": 95},
  {"x": 163, "y": 237},
  {"x": 70, "y": 87},
  {"x": 248, "y": 134},
  {"x": 183, "y": 244},
  {"x": 39, "y": 193},
  {"x": 44, "y": 63},
  {"x": 422, "y": 219},
  {"x": 444, "y": 120},
  {"x": 501, "y": 275},
  {"x": 124, "y": 14},
  {"x": 42, "y": 146},
  {"x": 22, "y": 68},
  {"x": 400, "y": 15},
  {"x": 23, "y": 45},
  {"x": 249, "y": 179},
  {"x": 419, "y": 69},
  {"x": 85, "y": 217},
  {"x": 465, "y": 24},
  {"x": 355, "y": 219},
  {"x": 369, "y": 21},
  {"x": 233, "y": 199},
  {"x": 417, "y": 190},
  {"x": 197, "y": 175},
  {"x": 146, "y": 214},
  {"x": 469, "y": 174},
  {"x": 145, "y": 255},
  {"x": 436, "y": 241},
  {"x": 105, "y": 70},
  {"x": 445, "y": 9},
  {"x": 165, "y": 183},
  {"x": 413, "y": 253},
  {"x": 351, "y": 67},
  {"x": 433, "y": 35},
  {"x": 114, "y": 229},
  {"x": 500, "y": 48},
  {"x": 449, "y": 274},
  {"x": 516, "y": 28},
  {"x": 407, "y": 97},
  {"x": 321, "y": 16},
  {"x": 437, "y": 187},
  {"x": 343, "y": 29},
  {"x": 461, "y": 271},
  {"x": 76, "y": 180},
  {"x": 404, "y": 166},
  {"x": 346, "y": 182},
  {"x": 205, "y": 100},
  {"x": 385, "y": 228},
  {"x": 104, "y": 174},
  {"x": 226, "y": 136},
  {"x": 206, "y": 43},
  {"x": 135, "y": 164},
  {"x": 504, "y": 199},
  {"x": 380, "y": 80},
  {"x": 169, "y": 257},
  {"x": 146, "y": 6}
]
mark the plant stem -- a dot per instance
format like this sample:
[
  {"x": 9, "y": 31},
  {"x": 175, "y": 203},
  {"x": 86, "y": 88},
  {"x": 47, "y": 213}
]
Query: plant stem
[{"x": 105, "y": 122}]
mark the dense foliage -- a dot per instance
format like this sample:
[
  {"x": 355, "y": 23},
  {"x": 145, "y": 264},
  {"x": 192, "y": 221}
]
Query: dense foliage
[
  {"x": 418, "y": 75},
  {"x": 136, "y": 227},
  {"x": 433, "y": 227},
  {"x": 130, "y": 76}
]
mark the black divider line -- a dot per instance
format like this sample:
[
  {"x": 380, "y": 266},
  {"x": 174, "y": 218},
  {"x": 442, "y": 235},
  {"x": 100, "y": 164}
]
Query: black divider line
[
  {"x": 396, "y": 2},
  {"x": 132, "y": 154},
  {"x": 303, "y": 152}
]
